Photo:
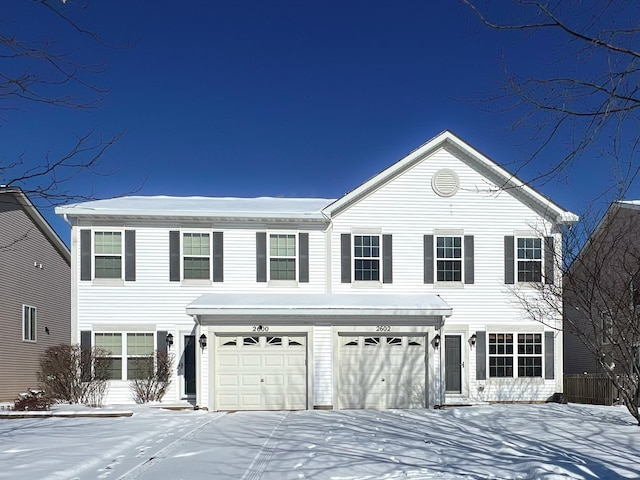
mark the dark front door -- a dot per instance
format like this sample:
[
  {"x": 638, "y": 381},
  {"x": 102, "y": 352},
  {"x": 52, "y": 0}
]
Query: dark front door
[
  {"x": 453, "y": 363},
  {"x": 190, "y": 365}
]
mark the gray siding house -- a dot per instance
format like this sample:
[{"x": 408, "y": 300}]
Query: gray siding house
[{"x": 35, "y": 291}]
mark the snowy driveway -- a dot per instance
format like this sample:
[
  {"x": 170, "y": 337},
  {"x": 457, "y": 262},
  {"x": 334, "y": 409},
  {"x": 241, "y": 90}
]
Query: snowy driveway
[{"x": 507, "y": 441}]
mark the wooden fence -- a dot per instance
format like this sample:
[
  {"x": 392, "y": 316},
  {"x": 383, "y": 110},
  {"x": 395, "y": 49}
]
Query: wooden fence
[{"x": 592, "y": 388}]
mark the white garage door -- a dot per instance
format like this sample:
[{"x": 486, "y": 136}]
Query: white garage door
[
  {"x": 382, "y": 372},
  {"x": 261, "y": 372}
]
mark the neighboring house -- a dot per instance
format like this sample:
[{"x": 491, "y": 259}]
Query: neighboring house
[
  {"x": 602, "y": 296},
  {"x": 35, "y": 298},
  {"x": 398, "y": 294}
]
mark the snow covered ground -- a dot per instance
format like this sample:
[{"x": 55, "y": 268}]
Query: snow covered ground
[{"x": 548, "y": 441}]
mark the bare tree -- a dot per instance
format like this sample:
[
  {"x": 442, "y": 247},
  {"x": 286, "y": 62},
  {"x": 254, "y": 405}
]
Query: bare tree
[
  {"x": 43, "y": 71},
  {"x": 599, "y": 299},
  {"x": 584, "y": 97}
]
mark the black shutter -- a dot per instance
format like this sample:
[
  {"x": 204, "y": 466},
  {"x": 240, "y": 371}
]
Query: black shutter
[
  {"x": 428, "y": 259},
  {"x": 549, "y": 260},
  {"x": 481, "y": 355},
  {"x": 387, "y": 259},
  {"x": 261, "y": 257},
  {"x": 161, "y": 341},
  {"x": 509, "y": 273},
  {"x": 85, "y": 254},
  {"x": 345, "y": 258},
  {"x": 469, "y": 274},
  {"x": 130, "y": 255},
  {"x": 174, "y": 256},
  {"x": 303, "y": 273},
  {"x": 85, "y": 355},
  {"x": 218, "y": 257},
  {"x": 549, "y": 355}
]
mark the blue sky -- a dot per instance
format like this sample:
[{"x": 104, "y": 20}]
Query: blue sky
[{"x": 283, "y": 98}]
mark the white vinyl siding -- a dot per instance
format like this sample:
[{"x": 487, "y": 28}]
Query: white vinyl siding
[{"x": 29, "y": 323}]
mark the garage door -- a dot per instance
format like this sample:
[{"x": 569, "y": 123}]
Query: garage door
[
  {"x": 382, "y": 371},
  {"x": 261, "y": 372}
]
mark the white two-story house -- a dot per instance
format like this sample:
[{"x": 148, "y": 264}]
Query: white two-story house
[{"x": 399, "y": 294}]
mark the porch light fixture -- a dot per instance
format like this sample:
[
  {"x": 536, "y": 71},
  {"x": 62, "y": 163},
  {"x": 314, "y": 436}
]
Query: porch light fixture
[
  {"x": 436, "y": 341},
  {"x": 473, "y": 339},
  {"x": 169, "y": 340},
  {"x": 203, "y": 341}
]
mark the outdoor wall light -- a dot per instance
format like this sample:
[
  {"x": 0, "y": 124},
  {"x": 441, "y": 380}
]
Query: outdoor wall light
[
  {"x": 473, "y": 339},
  {"x": 203, "y": 341},
  {"x": 436, "y": 341},
  {"x": 169, "y": 339}
]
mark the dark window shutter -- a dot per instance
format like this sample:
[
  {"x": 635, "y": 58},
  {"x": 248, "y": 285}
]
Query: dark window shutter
[
  {"x": 130, "y": 255},
  {"x": 481, "y": 355},
  {"x": 387, "y": 259},
  {"x": 549, "y": 355},
  {"x": 85, "y": 355},
  {"x": 509, "y": 273},
  {"x": 218, "y": 256},
  {"x": 469, "y": 274},
  {"x": 174, "y": 256},
  {"x": 303, "y": 249},
  {"x": 161, "y": 341},
  {"x": 428, "y": 259},
  {"x": 549, "y": 260},
  {"x": 85, "y": 254},
  {"x": 345, "y": 258},
  {"x": 261, "y": 257}
]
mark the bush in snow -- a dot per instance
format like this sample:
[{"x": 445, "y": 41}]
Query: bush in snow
[
  {"x": 150, "y": 380},
  {"x": 33, "y": 400},
  {"x": 74, "y": 374}
]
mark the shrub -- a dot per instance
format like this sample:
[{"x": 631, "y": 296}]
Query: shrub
[
  {"x": 74, "y": 374},
  {"x": 152, "y": 380},
  {"x": 33, "y": 400}
]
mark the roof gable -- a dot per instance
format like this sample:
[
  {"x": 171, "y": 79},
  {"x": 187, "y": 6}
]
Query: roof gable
[{"x": 472, "y": 157}]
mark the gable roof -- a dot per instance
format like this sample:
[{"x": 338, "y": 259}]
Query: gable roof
[
  {"x": 475, "y": 160},
  {"x": 35, "y": 216}
]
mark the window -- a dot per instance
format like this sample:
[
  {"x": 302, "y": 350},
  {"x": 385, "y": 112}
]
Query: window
[
  {"x": 29, "y": 323},
  {"x": 111, "y": 343},
  {"x": 607, "y": 327},
  {"x": 529, "y": 259},
  {"x": 367, "y": 257},
  {"x": 140, "y": 361},
  {"x": 501, "y": 355},
  {"x": 530, "y": 355},
  {"x": 282, "y": 257},
  {"x": 449, "y": 259},
  {"x": 108, "y": 254},
  {"x": 196, "y": 250}
]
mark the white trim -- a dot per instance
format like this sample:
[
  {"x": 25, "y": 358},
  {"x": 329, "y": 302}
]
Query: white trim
[{"x": 33, "y": 330}]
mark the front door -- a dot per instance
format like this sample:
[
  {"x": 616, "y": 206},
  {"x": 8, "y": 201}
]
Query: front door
[
  {"x": 453, "y": 363},
  {"x": 189, "y": 365}
]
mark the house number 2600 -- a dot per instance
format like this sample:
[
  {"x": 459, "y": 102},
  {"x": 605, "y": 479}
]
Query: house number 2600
[
  {"x": 383, "y": 328},
  {"x": 260, "y": 328}
]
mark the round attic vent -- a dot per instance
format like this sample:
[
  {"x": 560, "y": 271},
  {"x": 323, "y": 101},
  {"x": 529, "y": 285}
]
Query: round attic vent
[{"x": 445, "y": 182}]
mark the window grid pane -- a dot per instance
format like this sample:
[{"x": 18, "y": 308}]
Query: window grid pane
[
  {"x": 449, "y": 259},
  {"x": 108, "y": 243},
  {"x": 282, "y": 245},
  {"x": 501, "y": 355},
  {"x": 529, "y": 259},
  {"x": 196, "y": 268},
  {"x": 196, "y": 244},
  {"x": 283, "y": 269},
  {"x": 366, "y": 257},
  {"x": 112, "y": 343},
  {"x": 140, "y": 344},
  {"x": 282, "y": 261},
  {"x": 529, "y": 354}
]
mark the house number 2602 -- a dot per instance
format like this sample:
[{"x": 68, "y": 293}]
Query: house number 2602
[
  {"x": 260, "y": 328},
  {"x": 383, "y": 328}
]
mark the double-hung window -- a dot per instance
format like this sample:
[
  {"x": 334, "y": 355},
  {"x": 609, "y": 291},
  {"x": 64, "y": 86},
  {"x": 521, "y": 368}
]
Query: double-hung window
[
  {"x": 449, "y": 259},
  {"x": 501, "y": 355},
  {"x": 530, "y": 355},
  {"x": 29, "y": 323},
  {"x": 111, "y": 362},
  {"x": 108, "y": 254},
  {"x": 282, "y": 257},
  {"x": 140, "y": 361},
  {"x": 529, "y": 259},
  {"x": 196, "y": 250},
  {"x": 366, "y": 256}
]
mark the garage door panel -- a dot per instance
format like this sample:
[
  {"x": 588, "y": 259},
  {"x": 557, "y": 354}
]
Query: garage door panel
[
  {"x": 274, "y": 360},
  {"x": 228, "y": 381},
  {"x": 250, "y": 359},
  {"x": 228, "y": 361}
]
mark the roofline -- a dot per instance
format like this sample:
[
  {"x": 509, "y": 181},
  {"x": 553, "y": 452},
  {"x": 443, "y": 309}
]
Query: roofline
[
  {"x": 39, "y": 220},
  {"x": 562, "y": 216}
]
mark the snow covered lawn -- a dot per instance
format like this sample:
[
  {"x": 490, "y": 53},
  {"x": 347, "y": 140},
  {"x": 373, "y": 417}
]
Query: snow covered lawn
[{"x": 499, "y": 441}]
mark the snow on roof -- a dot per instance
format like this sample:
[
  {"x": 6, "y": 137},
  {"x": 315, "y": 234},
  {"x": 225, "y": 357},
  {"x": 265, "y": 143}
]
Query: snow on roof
[
  {"x": 231, "y": 207},
  {"x": 319, "y": 304}
]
